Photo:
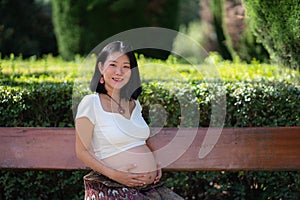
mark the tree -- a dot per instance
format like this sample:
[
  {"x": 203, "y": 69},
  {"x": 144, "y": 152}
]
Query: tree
[
  {"x": 26, "y": 28},
  {"x": 235, "y": 38},
  {"x": 82, "y": 25},
  {"x": 276, "y": 25}
]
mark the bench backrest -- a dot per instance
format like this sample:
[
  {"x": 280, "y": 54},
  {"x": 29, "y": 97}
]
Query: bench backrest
[{"x": 273, "y": 148}]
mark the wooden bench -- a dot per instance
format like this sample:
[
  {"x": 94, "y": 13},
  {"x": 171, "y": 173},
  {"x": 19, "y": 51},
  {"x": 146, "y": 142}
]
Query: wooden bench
[{"x": 273, "y": 148}]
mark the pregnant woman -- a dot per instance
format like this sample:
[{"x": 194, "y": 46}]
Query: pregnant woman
[{"x": 111, "y": 133}]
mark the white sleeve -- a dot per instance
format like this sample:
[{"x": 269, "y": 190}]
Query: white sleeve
[
  {"x": 138, "y": 105},
  {"x": 86, "y": 108}
]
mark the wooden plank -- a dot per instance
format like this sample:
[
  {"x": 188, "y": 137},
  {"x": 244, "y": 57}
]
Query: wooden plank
[
  {"x": 274, "y": 148},
  {"x": 243, "y": 149},
  {"x": 38, "y": 148}
]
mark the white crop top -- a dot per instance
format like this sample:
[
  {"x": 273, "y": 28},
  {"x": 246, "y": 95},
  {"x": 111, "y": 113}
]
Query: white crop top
[{"x": 113, "y": 133}]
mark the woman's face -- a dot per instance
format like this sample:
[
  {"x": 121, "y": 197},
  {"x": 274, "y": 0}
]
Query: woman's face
[{"x": 116, "y": 71}]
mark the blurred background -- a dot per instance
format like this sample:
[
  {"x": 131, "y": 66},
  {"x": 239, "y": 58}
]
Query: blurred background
[
  {"x": 233, "y": 28},
  {"x": 70, "y": 27}
]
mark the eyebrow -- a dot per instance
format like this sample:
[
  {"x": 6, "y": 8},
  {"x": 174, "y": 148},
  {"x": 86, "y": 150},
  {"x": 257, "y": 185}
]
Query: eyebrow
[{"x": 117, "y": 62}]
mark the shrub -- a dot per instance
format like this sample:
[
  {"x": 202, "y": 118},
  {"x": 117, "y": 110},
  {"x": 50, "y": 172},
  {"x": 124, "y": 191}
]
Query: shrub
[
  {"x": 46, "y": 185},
  {"x": 45, "y": 105},
  {"x": 276, "y": 25},
  {"x": 248, "y": 104}
]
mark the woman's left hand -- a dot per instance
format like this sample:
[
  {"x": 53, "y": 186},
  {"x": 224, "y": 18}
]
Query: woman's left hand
[{"x": 159, "y": 174}]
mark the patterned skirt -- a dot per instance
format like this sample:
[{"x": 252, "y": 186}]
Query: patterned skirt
[{"x": 98, "y": 187}]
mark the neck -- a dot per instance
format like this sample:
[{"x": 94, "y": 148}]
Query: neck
[
  {"x": 120, "y": 108},
  {"x": 114, "y": 93}
]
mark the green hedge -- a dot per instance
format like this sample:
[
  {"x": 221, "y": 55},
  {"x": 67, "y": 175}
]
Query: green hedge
[
  {"x": 30, "y": 184},
  {"x": 263, "y": 103},
  {"x": 45, "y": 105}
]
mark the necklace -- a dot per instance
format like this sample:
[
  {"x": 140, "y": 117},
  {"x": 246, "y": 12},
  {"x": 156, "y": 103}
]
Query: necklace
[{"x": 120, "y": 109}]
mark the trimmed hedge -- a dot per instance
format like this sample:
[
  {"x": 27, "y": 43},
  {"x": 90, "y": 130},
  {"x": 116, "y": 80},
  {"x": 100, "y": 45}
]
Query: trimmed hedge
[
  {"x": 45, "y": 105},
  {"x": 248, "y": 104},
  {"x": 35, "y": 184},
  {"x": 263, "y": 103}
]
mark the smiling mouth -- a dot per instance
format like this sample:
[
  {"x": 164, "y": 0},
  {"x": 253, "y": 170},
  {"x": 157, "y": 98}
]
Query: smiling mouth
[{"x": 118, "y": 79}]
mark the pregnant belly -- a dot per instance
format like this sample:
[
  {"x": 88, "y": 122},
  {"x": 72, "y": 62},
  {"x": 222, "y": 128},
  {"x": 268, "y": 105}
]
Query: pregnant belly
[{"x": 140, "y": 156}]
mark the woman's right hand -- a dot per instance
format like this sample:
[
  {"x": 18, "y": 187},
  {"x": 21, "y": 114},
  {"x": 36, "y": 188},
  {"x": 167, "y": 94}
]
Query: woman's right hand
[{"x": 125, "y": 177}]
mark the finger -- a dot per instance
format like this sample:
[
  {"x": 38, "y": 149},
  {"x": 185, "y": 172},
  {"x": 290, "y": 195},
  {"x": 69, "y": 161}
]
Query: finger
[
  {"x": 135, "y": 182},
  {"x": 138, "y": 181},
  {"x": 138, "y": 176},
  {"x": 156, "y": 180},
  {"x": 159, "y": 175}
]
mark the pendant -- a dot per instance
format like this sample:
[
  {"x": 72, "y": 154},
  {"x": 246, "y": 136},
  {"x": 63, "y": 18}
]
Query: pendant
[{"x": 121, "y": 110}]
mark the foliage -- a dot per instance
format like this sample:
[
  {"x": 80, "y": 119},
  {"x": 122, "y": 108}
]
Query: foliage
[
  {"x": 46, "y": 185},
  {"x": 276, "y": 25},
  {"x": 188, "y": 11},
  {"x": 247, "y": 103},
  {"x": 30, "y": 88},
  {"x": 26, "y": 28},
  {"x": 235, "y": 38},
  {"x": 67, "y": 29},
  {"x": 218, "y": 15},
  {"x": 226, "y": 185},
  {"x": 55, "y": 69},
  {"x": 78, "y": 32},
  {"x": 36, "y": 105}
]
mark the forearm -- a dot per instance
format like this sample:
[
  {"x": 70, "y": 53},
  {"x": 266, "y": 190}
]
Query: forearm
[
  {"x": 87, "y": 156},
  {"x": 90, "y": 160}
]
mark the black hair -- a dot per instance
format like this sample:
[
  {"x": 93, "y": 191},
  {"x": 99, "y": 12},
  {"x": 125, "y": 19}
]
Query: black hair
[{"x": 133, "y": 88}]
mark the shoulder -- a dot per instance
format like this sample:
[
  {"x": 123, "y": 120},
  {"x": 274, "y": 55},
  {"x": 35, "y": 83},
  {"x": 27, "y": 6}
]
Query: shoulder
[
  {"x": 86, "y": 107},
  {"x": 89, "y": 98},
  {"x": 137, "y": 104}
]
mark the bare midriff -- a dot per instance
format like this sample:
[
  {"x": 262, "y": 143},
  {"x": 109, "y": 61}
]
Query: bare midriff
[{"x": 141, "y": 156}]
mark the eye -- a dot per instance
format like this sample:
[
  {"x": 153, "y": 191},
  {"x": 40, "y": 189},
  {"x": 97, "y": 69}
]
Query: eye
[
  {"x": 126, "y": 66},
  {"x": 112, "y": 64}
]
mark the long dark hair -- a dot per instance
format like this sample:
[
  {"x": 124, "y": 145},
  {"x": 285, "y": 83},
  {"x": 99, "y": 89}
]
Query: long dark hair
[{"x": 133, "y": 88}]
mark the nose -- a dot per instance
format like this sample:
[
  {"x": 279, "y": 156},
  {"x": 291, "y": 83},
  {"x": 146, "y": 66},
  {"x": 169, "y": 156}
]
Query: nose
[{"x": 118, "y": 70}]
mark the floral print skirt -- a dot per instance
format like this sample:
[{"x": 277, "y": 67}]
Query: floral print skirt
[{"x": 99, "y": 187}]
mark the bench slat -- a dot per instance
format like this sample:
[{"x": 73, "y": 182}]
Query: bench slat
[{"x": 268, "y": 148}]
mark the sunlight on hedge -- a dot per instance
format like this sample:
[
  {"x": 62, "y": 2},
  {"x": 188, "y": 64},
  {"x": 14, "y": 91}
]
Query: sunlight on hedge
[{"x": 55, "y": 69}]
